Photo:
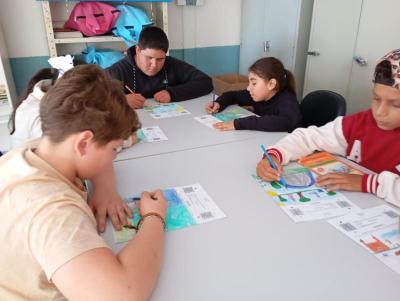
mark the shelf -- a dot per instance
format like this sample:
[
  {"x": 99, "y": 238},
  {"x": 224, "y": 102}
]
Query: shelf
[{"x": 97, "y": 39}]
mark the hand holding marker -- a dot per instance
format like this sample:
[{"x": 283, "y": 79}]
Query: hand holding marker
[{"x": 281, "y": 180}]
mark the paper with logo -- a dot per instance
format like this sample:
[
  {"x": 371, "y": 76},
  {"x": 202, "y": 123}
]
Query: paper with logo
[
  {"x": 376, "y": 230},
  {"x": 151, "y": 134},
  {"x": 187, "y": 206},
  {"x": 166, "y": 110},
  {"x": 301, "y": 199}
]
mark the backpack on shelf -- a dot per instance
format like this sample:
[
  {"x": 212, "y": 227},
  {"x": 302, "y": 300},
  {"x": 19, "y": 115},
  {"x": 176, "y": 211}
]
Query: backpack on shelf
[
  {"x": 130, "y": 23},
  {"x": 102, "y": 57},
  {"x": 92, "y": 18}
]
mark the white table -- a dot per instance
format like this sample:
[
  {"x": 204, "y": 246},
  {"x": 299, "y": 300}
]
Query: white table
[
  {"x": 256, "y": 252},
  {"x": 184, "y": 132}
]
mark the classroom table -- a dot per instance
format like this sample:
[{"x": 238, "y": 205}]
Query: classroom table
[
  {"x": 257, "y": 252},
  {"x": 184, "y": 132}
]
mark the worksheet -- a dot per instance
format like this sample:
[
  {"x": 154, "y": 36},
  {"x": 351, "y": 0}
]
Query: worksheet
[
  {"x": 301, "y": 199},
  {"x": 166, "y": 110},
  {"x": 211, "y": 119},
  {"x": 151, "y": 134},
  {"x": 376, "y": 230},
  {"x": 187, "y": 206}
]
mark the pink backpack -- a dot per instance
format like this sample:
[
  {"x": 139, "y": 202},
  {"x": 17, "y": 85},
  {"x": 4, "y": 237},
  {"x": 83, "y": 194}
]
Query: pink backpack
[{"x": 92, "y": 18}]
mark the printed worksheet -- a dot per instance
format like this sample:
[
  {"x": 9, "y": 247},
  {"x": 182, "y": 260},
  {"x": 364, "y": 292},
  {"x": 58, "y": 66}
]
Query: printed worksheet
[
  {"x": 166, "y": 110},
  {"x": 211, "y": 119},
  {"x": 323, "y": 162},
  {"x": 376, "y": 230},
  {"x": 187, "y": 206},
  {"x": 151, "y": 134},
  {"x": 301, "y": 199}
]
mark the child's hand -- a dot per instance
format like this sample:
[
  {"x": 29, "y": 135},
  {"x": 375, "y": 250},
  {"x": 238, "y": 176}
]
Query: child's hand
[
  {"x": 162, "y": 96},
  {"x": 153, "y": 202},
  {"x": 225, "y": 126},
  {"x": 266, "y": 172},
  {"x": 109, "y": 203},
  {"x": 212, "y": 107},
  {"x": 135, "y": 100},
  {"x": 340, "y": 181}
]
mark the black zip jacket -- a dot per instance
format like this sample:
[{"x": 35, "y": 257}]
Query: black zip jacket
[
  {"x": 279, "y": 114},
  {"x": 183, "y": 80}
]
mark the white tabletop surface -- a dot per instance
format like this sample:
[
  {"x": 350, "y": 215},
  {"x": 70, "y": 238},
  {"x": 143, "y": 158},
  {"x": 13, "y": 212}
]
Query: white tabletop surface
[
  {"x": 257, "y": 252},
  {"x": 184, "y": 132}
]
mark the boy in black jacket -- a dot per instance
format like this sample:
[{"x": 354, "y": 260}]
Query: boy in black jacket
[{"x": 147, "y": 72}]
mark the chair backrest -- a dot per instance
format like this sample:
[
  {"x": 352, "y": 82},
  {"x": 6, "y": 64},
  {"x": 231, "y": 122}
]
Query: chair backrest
[{"x": 322, "y": 106}]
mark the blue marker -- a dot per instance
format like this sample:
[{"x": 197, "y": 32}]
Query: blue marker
[{"x": 281, "y": 180}]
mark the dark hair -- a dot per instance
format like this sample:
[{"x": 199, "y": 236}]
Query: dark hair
[
  {"x": 270, "y": 67},
  {"x": 154, "y": 38},
  {"x": 45, "y": 73},
  {"x": 383, "y": 73},
  {"x": 87, "y": 98}
]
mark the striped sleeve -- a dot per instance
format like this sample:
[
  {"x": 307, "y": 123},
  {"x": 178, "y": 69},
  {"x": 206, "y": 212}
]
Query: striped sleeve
[{"x": 385, "y": 185}]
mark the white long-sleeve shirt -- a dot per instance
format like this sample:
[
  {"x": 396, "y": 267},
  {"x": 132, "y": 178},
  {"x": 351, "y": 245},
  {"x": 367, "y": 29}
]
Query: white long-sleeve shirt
[{"x": 358, "y": 138}]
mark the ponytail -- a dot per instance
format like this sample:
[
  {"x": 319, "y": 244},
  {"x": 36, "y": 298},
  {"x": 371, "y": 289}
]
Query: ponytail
[{"x": 270, "y": 67}]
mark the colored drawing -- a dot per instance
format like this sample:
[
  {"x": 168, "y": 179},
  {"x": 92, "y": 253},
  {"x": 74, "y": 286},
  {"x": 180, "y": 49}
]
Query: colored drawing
[
  {"x": 187, "y": 206},
  {"x": 322, "y": 163},
  {"x": 166, "y": 110},
  {"x": 230, "y": 115}
]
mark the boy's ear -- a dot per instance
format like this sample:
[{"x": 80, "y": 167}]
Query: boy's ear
[
  {"x": 83, "y": 141},
  {"x": 272, "y": 84}
]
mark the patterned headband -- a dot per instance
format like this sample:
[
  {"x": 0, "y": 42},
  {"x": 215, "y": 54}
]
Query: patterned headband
[{"x": 393, "y": 58}]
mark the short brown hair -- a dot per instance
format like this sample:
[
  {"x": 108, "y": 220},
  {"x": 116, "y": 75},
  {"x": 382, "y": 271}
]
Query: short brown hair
[{"x": 87, "y": 98}]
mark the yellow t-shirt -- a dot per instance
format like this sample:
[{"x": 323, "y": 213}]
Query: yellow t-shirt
[{"x": 45, "y": 222}]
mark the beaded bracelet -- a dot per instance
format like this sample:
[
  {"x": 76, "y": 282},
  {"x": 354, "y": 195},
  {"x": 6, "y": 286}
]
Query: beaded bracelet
[{"x": 149, "y": 215}]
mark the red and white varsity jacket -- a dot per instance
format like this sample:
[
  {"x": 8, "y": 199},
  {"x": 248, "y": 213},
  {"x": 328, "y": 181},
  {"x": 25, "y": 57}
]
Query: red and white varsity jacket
[{"x": 358, "y": 138}]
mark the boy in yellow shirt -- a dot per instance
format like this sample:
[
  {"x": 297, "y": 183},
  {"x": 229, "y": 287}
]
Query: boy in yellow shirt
[{"x": 51, "y": 249}]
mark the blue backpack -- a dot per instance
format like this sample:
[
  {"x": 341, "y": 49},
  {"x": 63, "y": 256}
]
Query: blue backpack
[
  {"x": 130, "y": 23},
  {"x": 102, "y": 57}
]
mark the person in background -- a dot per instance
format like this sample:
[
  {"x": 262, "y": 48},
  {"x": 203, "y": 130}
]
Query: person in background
[
  {"x": 370, "y": 138},
  {"x": 52, "y": 250},
  {"x": 24, "y": 123},
  {"x": 147, "y": 72},
  {"x": 272, "y": 96}
]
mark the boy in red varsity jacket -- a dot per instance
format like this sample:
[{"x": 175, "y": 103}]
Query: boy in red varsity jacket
[{"x": 370, "y": 138}]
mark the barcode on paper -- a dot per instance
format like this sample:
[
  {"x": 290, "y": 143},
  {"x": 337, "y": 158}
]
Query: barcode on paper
[
  {"x": 343, "y": 204},
  {"x": 188, "y": 190},
  {"x": 296, "y": 211},
  {"x": 206, "y": 215},
  {"x": 391, "y": 214},
  {"x": 348, "y": 227}
]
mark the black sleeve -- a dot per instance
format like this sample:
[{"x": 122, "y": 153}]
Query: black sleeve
[
  {"x": 286, "y": 120},
  {"x": 120, "y": 70},
  {"x": 190, "y": 82},
  {"x": 241, "y": 98}
]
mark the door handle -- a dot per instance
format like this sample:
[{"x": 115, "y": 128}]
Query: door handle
[
  {"x": 313, "y": 53},
  {"x": 360, "y": 60},
  {"x": 266, "y": 46}
]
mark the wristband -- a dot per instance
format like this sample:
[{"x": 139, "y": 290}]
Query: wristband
[{"x": 150, "y": 214}]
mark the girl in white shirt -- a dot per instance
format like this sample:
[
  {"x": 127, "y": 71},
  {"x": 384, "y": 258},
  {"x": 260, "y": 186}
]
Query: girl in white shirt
[{"x": 24, "y": 122}]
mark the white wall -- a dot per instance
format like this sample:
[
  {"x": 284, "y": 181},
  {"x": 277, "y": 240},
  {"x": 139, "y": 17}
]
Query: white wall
[
  {"x": 216, "y": 23},
  {"x": 23, "y": 28}
]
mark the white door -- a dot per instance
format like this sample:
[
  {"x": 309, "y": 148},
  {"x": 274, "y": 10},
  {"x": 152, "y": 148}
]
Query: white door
[
  {"x": 268, "y": 28},
  {"x": 333, "y": 36},
  {"x": 281, "y": 20},
  {"x": 378, "y": 34},
  {"x": 252, "y": 33}
]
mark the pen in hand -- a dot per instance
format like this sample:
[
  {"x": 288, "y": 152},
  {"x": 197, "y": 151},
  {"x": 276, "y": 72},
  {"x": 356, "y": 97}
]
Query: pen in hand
[{"x": 273, "y": 165}]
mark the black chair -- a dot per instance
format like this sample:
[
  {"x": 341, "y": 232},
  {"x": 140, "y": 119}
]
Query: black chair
[{"x": 322, "y": 106}]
